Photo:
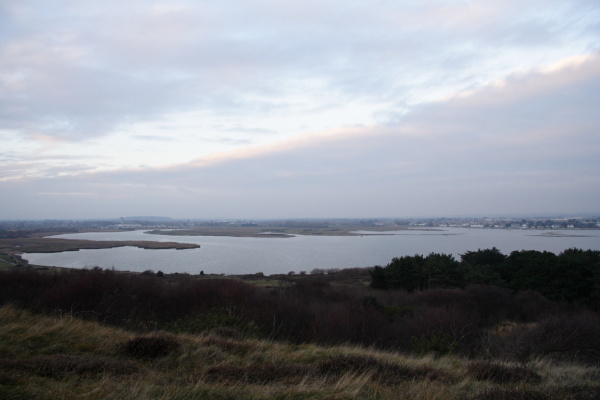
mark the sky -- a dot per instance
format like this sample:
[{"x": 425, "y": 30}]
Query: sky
[{"x": 299, "y": 109}]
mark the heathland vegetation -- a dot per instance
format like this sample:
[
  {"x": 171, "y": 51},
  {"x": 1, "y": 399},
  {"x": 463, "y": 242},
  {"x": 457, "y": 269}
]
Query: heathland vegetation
[
  {"x": 422, "y": 327},
  {"x": 573, "y": 275}
]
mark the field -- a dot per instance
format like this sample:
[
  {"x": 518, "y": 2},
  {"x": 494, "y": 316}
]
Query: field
[
  {"x": 6, "y": 261},
  {"x": 50, "y": 357}
]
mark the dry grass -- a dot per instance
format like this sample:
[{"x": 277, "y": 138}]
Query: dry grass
[
  {"x": 49, "y": 357},
  {"x": 502, "y": 373}
]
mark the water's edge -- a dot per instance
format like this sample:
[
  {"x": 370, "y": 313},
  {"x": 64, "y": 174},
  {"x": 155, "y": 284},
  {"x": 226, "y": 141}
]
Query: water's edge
[{"x": 245, "y": 255}]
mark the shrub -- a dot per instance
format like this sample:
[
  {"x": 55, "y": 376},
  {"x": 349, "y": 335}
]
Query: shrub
[
  {"x": 313, "y": 310},
  {"x": 151, "y": 346},
  {"x": 569, "y": 337},
  {"x": 532, "y": 306},
  {"x": 436, "y": 342},
  {"x": 217, "y": 320},
  {"x": 508, "y": 341},
  {"x": 561, "y": 337}
]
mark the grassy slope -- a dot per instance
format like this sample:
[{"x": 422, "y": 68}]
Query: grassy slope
[
  {"x": 5, "y": 261},
  {"x": 45, "y": 357}
]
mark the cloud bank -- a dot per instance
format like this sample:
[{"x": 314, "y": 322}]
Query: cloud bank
[{"x": 299, "y": 109}]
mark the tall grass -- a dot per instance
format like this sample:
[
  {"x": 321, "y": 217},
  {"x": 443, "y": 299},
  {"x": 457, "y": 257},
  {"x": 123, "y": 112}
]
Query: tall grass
[{"x": 49, "y": 357}]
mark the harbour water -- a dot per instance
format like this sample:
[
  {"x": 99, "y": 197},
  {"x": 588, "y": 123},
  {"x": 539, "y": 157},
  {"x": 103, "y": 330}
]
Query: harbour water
[{"x": 248, "y": 255}]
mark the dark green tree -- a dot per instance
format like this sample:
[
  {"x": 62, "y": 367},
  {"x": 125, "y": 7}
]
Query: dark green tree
[
  {"x": 492, "y": 257},
  {"x": 418, "y": 273},
  {"x": 401, "y": 273},
  {"x": 442, "y": 271},
  {"x": 484, "y": 266}
]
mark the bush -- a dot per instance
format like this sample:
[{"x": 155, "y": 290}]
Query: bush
[
  {"x": 560, "y": 337},
  {"x": 436, "y": 342},
  {"x": 568, "y": 337},
  {"x": 151, "y": 346},
  {"x": 315, "y": 310}
]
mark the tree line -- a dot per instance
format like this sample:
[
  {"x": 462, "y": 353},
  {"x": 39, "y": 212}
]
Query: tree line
[{"x": 573, "y": 275}]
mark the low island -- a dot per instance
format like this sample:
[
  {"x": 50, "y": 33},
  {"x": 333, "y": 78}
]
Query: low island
[{"x": 21, "y": 245}]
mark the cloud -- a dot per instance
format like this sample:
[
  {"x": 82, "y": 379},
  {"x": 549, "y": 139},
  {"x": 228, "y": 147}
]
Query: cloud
[
  {"x": 78, "y": 71},
  {"x": 151, "y": 138},
  {"x": 298, "y": 108},
  {"x": 527, "y": 144}
]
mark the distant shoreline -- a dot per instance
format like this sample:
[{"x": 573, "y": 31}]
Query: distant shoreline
[{"x": 285, "y": 232}]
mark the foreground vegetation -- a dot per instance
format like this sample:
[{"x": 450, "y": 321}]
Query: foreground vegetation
[
  {"x": 50, "y": 357},
  {"x": 573, "y": 275},
  {"x": 419, "y": 328},
  {"x": 477, "y": 321}
]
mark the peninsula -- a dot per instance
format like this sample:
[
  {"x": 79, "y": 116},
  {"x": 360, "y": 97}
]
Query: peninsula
[{"x": 14, "y": 246}]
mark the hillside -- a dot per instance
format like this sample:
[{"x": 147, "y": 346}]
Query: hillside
[{"x": 63, "y": 357}]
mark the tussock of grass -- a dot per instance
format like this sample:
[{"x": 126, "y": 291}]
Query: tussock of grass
[
  {"x": 578, "y": 393},
  {"x": 261, "y": 373},
  {"x": 61, "y": 365},
  {"x": 222, "y": 332},
  {"x": 500, "y": 373},
  {"x": 509, "y": 394},
  {"x": 381, "y": 371},
  {"x": 240, "y": 347},
  {"x": 52, "y": 357}
]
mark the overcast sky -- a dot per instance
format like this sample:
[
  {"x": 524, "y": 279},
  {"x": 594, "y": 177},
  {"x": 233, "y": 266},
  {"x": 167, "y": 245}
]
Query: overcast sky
[{"x": 282, "y": 109}]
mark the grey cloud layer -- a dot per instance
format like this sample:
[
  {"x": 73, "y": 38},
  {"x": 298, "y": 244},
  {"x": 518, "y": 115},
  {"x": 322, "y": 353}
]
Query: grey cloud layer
[
  {"x": 529, "y": 145},
  {"x": 75, "y": 70}
]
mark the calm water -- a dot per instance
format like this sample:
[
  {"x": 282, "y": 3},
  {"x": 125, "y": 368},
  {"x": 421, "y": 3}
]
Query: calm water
[{"x": 229, "y": 255}]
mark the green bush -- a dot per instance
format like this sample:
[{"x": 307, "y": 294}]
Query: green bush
[{"x": 436, "y": 342}]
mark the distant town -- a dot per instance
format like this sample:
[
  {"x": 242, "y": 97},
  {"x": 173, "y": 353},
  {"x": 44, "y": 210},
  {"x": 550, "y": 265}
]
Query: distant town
[{"x": 10, "y": 227}]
